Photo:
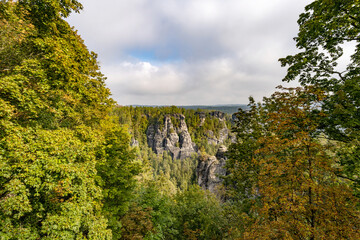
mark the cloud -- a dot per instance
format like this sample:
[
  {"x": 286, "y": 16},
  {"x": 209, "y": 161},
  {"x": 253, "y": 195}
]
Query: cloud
[
  {"x": 142, "y": 78},
  {"x": 217, "y": 81},
  {"x": 190, "y": 51}
]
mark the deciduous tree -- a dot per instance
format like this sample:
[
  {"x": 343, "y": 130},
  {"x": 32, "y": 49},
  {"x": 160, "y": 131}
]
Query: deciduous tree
[
  {"x": 298, "y": 195},
  {"x": 55, "y": 128},
  {"x": 326, "y": 28}
]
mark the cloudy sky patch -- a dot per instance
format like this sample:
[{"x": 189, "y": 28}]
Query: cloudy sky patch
[{"x": 190, "y": 51}]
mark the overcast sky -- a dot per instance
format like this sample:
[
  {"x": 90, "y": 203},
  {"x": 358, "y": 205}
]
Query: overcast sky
[{"x": 190, "y": 52}]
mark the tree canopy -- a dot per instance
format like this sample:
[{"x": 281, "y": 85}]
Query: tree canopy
[
  {"x": 305, "y": 158},
  {"x": 326, "y": 28},
  {"x": 56, "y": 133}
]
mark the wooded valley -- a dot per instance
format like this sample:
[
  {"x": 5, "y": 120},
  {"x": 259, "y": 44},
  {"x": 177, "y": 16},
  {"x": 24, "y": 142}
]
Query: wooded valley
[{"x": 74, "y": 164}]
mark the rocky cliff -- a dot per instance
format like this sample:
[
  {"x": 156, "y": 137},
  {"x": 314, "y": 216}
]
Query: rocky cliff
[
  {"x": 171, "y": 133},
  {"x": 210, "y": 170},
  {"x": 167, "y": 137}
]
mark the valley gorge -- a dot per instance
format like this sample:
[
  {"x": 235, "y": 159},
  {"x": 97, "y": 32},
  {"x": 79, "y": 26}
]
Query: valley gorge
[{"x": 193, "y": 143}]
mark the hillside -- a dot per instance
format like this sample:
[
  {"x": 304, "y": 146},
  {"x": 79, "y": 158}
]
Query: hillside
[
  {"x": 228, "y": 108},
  {"x": 172, "y": 140}
]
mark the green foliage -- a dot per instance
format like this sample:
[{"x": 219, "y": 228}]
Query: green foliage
[
  {"x": 116, "y": 170},
  {"x": 57, "y": 142},
  {"x": 46, "y": 14},
  {"x": 199, "y": 215},
  {"x": 249, "y": 128},
  {"x": 137, "y": 223},
  {"x": 47, "y": 185},
  {"x": 152, "y": 195},
  {"x": 325, "y": 28},
  {"x": 55, "y": 82},
  {"x": 190, "y": 214}
]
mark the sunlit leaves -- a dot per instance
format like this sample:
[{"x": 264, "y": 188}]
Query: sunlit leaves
[
  {"x": 298, "y": 195},
  {"x": 326, "y": 29},
  {"x": 54, "y": 128},
  {"x": 50, "y": 180}
]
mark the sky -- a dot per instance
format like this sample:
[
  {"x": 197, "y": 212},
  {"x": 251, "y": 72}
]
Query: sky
[{"x": 190, "y": 52}]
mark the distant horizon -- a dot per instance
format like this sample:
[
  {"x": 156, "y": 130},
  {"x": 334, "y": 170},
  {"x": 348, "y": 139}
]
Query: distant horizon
[
  {"x": 225, "y": 108},
  {"x": 186, "y": 105}
]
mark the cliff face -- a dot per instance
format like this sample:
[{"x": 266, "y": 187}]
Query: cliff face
[
  {"x": 172, "y": 134},
  {"x": 210, "y": 169},
  {"x": 184, "y": 135},
  {"x": 167, "y": 137}
]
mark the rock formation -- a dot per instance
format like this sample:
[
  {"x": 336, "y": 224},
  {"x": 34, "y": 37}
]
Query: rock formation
[
  {"x": 167, "y": 137},
  {"x": 210, "y": 169},
  {"x": 172, "y": 134}
]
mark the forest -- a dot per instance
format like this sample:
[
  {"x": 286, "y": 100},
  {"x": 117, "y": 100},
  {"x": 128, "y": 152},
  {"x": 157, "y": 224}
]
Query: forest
[{"x": 76, "y": 165}]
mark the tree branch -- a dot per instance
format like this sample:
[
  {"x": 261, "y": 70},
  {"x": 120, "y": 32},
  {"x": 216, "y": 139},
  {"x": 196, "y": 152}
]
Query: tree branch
[{"x": 345, "y": 177}]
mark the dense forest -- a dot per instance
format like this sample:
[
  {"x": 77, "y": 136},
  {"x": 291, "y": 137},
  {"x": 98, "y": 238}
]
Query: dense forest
[
  {"x": 198, "y": 134},
  {"x": 75, "y": 165}
]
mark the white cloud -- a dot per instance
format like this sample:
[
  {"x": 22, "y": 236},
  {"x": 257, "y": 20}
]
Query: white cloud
[
  {"x": 200, "y": 51},
  {"x": 217, "y": 81},
  {"x": 142, "y": 78}
]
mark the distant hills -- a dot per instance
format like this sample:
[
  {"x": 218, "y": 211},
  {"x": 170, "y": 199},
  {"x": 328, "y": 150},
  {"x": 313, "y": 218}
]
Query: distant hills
[
  {"x": 230, "y": 109},
  {"x": 227, "y": 108}
]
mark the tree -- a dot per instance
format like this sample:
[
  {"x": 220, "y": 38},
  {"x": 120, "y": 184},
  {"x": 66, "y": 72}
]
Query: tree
[
  {"x": 298, "y": 195},
  {"x": 54, "y": 80},
  {"x": 55, "y": 129},
  {"x": 157, "y": 198},
  {"x": 137, "y": 223},
  {"x": 47, "y": 186},
  {"x": 45, "y": 14},
  {"x": 198, "y": 215},
  {"x": 242, "y": 172},
  {"x": 116, "y": 170},
  {"x": 325, "y": 28}
]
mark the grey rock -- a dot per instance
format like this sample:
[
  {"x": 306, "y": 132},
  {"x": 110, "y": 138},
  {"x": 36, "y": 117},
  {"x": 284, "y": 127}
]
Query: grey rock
[
  {"x": 223, "y": 135},
  {"x": 210, "y": 170},
  {"x": 218, "y": 114},
  {"x": 134, "y": 142},
  {"x": 175, "y": 139},
  {"x": 202, "y": 117}
]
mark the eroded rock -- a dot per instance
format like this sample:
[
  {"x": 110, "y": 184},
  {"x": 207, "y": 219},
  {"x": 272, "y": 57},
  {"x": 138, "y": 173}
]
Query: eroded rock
[
  {"x": 167, "y": 137},
  {"x": 210, "y": 170}
]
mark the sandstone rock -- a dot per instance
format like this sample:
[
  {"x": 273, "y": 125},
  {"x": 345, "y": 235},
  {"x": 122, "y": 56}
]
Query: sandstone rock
[
  {"x": 210, "y": 170},
  {"x": 134, "y": 142},
  {"x": 172, "y": 134},
  {"x": 224, "y": 134},
  {"x": 202, "y": 117},
  {"x": 175, "y": 139},
  {"x": 218, "y": 114}
]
